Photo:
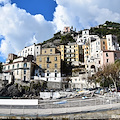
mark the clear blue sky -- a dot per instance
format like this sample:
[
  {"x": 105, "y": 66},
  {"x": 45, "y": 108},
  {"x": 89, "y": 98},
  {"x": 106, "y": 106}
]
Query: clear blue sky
[{"x": 44, "y": 7}]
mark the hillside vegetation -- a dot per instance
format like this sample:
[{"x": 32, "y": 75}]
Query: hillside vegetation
[
  {"x": 101, "y": 30},
  {"x": 107, "y": 28}
]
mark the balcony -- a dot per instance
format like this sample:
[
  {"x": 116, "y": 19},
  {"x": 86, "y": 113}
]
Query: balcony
[{"x": 48, "y": 61}]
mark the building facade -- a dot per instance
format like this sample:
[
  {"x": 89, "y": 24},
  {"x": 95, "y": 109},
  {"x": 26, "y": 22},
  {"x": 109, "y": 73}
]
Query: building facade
[
  {"x": 50, "y": 64},
  {"x": 34, "y": 50},
  {"x": 21, "y": 69},
  {"x": 109, "y": 56},
  {"x": 70, "y": 52}
]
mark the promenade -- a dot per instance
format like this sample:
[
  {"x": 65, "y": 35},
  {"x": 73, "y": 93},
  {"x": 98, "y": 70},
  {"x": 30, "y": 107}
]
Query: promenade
[{"x": 61, "y": 107}]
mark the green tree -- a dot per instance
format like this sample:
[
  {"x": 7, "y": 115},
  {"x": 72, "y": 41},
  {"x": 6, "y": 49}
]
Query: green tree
[
  {"x": 67, "y": 38},
  {"x": 108, "y": 74}
]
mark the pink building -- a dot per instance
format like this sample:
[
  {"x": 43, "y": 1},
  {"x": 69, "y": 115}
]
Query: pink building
[
  {"x": 109, "y": 56},
  {"x": 66, "y": 29}
]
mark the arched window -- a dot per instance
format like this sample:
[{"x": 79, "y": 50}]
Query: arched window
[
  {"x": 25, "y": 65},
  {"x": 17, "y": 65},
  {"x": 55, "y": 73}
]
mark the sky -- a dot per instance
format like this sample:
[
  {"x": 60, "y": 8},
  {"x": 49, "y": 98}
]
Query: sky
[{"x": 24, "y": 22}]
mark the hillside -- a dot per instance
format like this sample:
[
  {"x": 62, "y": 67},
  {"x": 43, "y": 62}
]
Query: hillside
[
  {"x": 107, "y": 28},
  {"x": 60, "y": 39},
  {"x": 100, "y": 30}
]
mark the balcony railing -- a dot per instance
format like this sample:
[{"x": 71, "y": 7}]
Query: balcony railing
[{"x": 48, "y": 61}]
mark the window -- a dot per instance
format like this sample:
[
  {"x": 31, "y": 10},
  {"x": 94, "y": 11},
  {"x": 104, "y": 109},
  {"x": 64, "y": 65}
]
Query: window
[
  {"x": 55, "y": 73},
  {"x": 24, "y": 78},
  {"x": 37, "y": 47},
  {"x": 75, "y": 79},
  {"x": 107, "y": 60},
  {"x": 17, "y": 72},
  {"x": 48, "y": 73},
  {"x": 103, "y": 42},
  {"x": 103, "y": 47},
  {"x": 106, "y": 54},
  {"x": 25, "y": 65},
  {"x": 28, "y": 49},
  {"x": 47, "y": 65},
  {"x": 48, "y": 59},
  {"x": 40, "y": 59},
  {"x": 50, "y": 50},
  {"x": 4, "y": 68},
  {"x": 24, "y": 71},
  {"x": 31, "y": 49},
  {"x": 13, "y": 66},
  {"x": 55, "y": 65},
  {"x": 45, "y": 51},
  {"x": 55, "y": 58},
  {"x": 17, "y": 65},
  {"x": 37, "y": 52},
  {"x": 8, "y": 67}
]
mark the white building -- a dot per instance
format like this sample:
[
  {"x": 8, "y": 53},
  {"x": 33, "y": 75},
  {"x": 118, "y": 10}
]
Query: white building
[
  {"x": 6, "y": 77},
  {"x": 112, "y": 43},
  {"x": 34, "y": 50},
  {"x": 81, "y": 82},
  {"x": 85, "y": 38}
]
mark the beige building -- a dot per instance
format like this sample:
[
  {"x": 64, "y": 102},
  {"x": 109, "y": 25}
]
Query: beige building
[
  {"x": 50, "y": 63},
  {"x": 20, "y": 68}
]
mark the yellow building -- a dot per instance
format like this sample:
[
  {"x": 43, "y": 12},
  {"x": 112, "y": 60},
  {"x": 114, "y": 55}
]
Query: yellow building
[
  {"x": 50, "y": 63},
  {"x": 69, "y": 52},
  {"x": 103, "y": 44},
  {"x": 86, "y": 52}
]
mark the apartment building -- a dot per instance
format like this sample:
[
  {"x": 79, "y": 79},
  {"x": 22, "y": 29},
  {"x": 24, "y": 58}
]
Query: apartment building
[
  {"x": 70, "y": 52},
  {"x": 21, "y": 69},
  {"x": 112, "y": 43},
  {"x": 104, "y": 44},
  {"x": 94, "y": 50},
  {"x": 34, "y": 50},
  {"x": 50, "y": 63},
  {"x": 109, "y": 56}
]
